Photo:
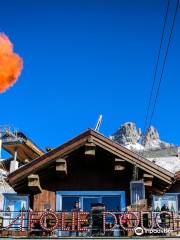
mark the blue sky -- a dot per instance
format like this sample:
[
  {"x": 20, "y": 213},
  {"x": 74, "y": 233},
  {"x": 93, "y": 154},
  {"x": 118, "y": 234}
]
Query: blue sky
[{"x": 84, "y": 58}]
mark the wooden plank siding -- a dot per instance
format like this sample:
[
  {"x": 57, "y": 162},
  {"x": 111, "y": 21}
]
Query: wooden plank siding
[
  {"x": 93, "y": 172},
  {"x": 46, "y": 159},
  {"x": 44, "y": 198},
  {"x": 138, "y": 160},
  {"x": 101, "y": 141}
]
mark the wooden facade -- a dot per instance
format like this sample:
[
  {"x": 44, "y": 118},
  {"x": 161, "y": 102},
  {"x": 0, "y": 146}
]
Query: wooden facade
[
  {"x": 41, "y": 199},
  {"x": 89, "y": 162}
]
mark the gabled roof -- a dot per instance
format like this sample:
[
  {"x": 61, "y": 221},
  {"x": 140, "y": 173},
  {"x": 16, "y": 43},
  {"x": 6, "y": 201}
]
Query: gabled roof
[{"x": 99, "y": 140}]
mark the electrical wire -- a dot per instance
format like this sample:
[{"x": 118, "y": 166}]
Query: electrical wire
[
  {"x": 156, "y": 67},
  {"x": 164, "y": 63}
]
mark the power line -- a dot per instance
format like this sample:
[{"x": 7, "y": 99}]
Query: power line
[
  {"x": 156, "y": 67},
  {"x": 164, "y": 63}
]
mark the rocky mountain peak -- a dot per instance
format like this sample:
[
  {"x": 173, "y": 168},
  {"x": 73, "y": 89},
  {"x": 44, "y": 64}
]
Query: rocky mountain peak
[
  {"x": 131, "y": 136},
  {"x": 152, "y": 134},
  {"x": 126, "y": 134}
]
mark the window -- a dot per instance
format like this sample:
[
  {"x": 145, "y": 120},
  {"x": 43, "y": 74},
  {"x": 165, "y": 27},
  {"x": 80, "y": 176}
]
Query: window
[
  {"x": 68, "y": 202},
  {"x": 169, "y": 199},
  {"x": 112, "y": 203},
  {"x": 87, "y": 201},
  {"x": 137, "y": 191},
  {"x": 113, "y": 200},
  {"x": 13, "y": 203}
]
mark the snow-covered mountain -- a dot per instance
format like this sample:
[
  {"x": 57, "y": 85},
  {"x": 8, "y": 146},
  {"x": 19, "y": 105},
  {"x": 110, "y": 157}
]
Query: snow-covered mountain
[
  {"x": 131, "y": 137},
  {"x": 150, "y": 146}
]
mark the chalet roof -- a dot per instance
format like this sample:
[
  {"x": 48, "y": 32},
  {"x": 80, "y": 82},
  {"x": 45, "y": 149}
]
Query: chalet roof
[{"x": 99, "y": 140}]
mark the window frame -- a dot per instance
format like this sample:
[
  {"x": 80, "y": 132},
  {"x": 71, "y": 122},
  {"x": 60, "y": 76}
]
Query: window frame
[
  {"x": 131, "y": 192},
  {"x": 84, "y": 194}
]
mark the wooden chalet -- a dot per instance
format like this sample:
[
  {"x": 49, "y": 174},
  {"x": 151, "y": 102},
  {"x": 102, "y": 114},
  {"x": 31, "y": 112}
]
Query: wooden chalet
[{"x": 90, "y": 168}]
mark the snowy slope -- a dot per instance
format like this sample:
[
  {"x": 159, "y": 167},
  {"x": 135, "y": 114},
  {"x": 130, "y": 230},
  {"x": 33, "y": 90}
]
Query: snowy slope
[
  {"x": 163, "y": 154},
  {"x": 172, "y": 164}
]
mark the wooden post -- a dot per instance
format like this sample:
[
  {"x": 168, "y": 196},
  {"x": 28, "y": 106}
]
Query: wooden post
[
  {"x": 34, "y": 183},
  {"x": 61, "y": 167},
  {"x": 148, "y": 180},
  {"x": 119, "y": 164},
  {"x": 90, "y": 150}
]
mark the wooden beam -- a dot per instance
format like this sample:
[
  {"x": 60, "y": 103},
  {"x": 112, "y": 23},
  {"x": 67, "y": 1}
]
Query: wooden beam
[
  {"x": 90, "y": 150},
  {"x": 119, "y": 160},
  {"x": 90, "y": 139},
  {"x": 119, "y": 164},
  {"x": 145, "y": 175},
  {"x": 61, "y": 167},
  {"x": 34, "y": 183},
  {"x": 132, "y": 158},
  {"x": 100, "y": 141},
  {"x": 119, "y": 168},
  {"x": 148, "y": 179},
  {"x": 157, "y": 190},
  {"x": 148, "y": 183},
  {"x": 26, "y": 161},
  {"x": 62, "y": 150}
]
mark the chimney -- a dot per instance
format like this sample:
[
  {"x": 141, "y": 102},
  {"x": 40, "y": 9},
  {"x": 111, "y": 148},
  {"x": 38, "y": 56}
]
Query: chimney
[{"x": 14, "y": 163}]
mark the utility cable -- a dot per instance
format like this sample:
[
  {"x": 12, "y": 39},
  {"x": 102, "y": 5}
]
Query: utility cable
[
  {"x": 164, "y": 63},
  {"x": 156, "y": 67}
]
